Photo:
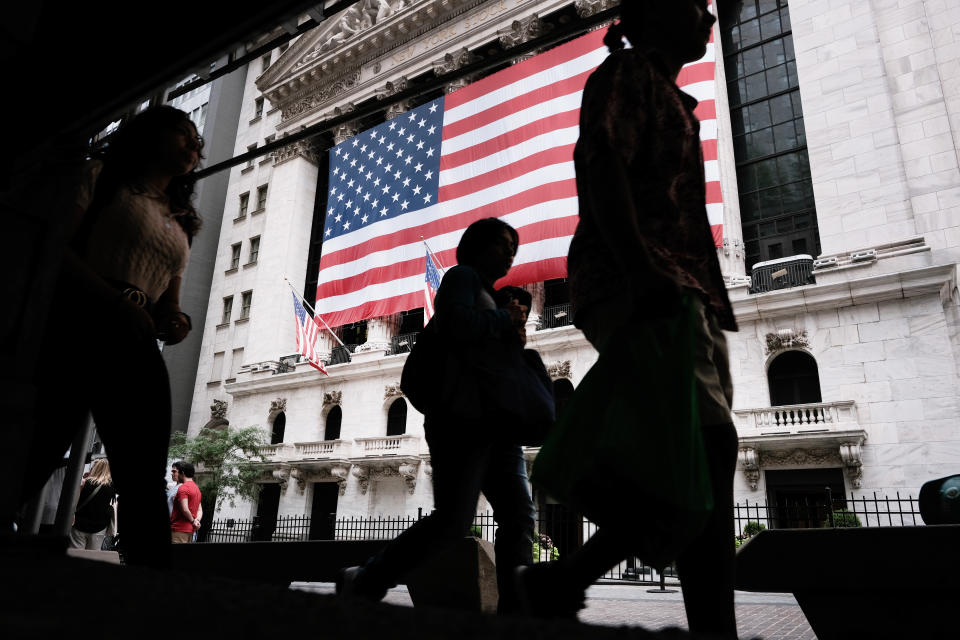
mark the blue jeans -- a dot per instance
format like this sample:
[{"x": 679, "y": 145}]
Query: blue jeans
[{"x": 464, "y": 464}]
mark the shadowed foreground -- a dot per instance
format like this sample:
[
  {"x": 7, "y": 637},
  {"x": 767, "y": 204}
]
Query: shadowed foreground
[{"x": 45, "y": 594}]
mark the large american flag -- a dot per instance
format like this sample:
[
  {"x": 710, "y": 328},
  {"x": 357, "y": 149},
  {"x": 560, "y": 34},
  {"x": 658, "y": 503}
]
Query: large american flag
[
  {"x": 503, "y": 147},
  {"x": 307, "y": 333}
]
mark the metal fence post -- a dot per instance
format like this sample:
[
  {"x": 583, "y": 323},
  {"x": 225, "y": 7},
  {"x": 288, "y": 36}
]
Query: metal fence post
[{"x": 830, "y": 506}]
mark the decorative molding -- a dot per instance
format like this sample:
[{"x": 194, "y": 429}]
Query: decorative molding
[
  {"x": 392, "y": 390},
  {"x": 282, "y": 474},
  {"x": 332, "y": 398},
  {"x": 816, "y": 457},
  {"x": 306, "y": 149},
  {"x": 587, "y": 8},
  {"x": 452, "y": 62},
  {"x": 392, "y": 87},
  {"x": 559, "y": 369},
  {"x": 278, "y": 405},
  {"x": 321, "y": 95},
  {"x": 408, "y": 471},
  {"x": 362, "y": 476},
  {"x": 218, "y": 410},
  {"x": 353, "y": 21},
  {"x": 852, "y": 457},
  {"x": 786, "y": 339},
  {"x": 521, "y": 31},
  {"x": 301, "y": 478},
  {"x": 340, "y": 474},
  {"x": 750, "y": 463}
]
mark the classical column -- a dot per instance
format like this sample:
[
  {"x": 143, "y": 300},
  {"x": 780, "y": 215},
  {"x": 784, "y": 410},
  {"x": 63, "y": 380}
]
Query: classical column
[
  {"x": 291, "y": 193},
  {"x": 391, "y": 88},
  {"x": 536, "y": 290},
  {"x": 587, "y": 8},
  {"x": 452, "y": 62},
  {"x": 731, "y": 254},
  {"x": 521, "y": 31},
  {"x": 347, "y": 130},
  {"x": 380, "y": 332}
]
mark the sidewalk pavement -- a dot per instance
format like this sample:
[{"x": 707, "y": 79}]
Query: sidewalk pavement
[{"x": 766, "y": 616}]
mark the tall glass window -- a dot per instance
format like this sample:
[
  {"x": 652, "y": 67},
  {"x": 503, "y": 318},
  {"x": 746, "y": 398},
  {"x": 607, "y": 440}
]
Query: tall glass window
[{"x": 777, "y": 209}]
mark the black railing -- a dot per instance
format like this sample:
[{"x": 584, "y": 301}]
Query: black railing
[
  {"x": 782, "y": 274},
  {"x": 558, "y": 534},
  {"x": 341, "y": 353},
  {"x": 403, "y": 343},
  {"x": 558, "y": 315}
]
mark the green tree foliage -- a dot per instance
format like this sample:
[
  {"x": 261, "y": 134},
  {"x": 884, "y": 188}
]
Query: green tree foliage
[{"x": 225, "y": 459}]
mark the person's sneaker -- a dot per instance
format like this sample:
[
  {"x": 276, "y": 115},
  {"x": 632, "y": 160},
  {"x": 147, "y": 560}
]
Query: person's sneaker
[
  {"x": 350, "y": 583},
  {"x": 542, "y": 593}
]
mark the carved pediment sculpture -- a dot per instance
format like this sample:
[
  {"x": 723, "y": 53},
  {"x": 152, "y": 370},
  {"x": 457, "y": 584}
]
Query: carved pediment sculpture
[{"x": 278, "y": 405}]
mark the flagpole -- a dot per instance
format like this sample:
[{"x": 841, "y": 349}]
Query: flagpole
[
  {"x": 433, "y": 254},
  {"x": 314, "y": 312}
]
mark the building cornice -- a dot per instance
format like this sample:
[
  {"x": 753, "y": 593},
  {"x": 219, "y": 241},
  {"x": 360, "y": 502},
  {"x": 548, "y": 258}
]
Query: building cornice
[
  {"x": 308, "y": 80},
  {"x": 846, "y": 290}
]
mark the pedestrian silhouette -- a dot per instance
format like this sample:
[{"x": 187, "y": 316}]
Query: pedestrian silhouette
[{"x": 642, "y": 247}]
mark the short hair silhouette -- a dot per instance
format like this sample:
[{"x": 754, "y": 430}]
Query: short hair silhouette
[
  {"x": 184, "y": 467},
  {"x": 480, "y": 235}
]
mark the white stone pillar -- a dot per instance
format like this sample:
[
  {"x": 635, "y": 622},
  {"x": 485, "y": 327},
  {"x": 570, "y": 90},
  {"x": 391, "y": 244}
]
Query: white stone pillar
[
  {"x": 731, "y": 254},
  {"x": 287, "y": 220},
  {"x": 380, "y": 332},
  {"x": 536, "y": 290}
]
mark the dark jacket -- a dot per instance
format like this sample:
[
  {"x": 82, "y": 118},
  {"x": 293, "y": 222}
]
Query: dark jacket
[{"x": 94, "y": 516}]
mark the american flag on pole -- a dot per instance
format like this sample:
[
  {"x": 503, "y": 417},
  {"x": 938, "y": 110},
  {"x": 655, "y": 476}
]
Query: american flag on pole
[
  {"x": 308, "y": 331},
  {"x": 431, "y": 282},
  {"x": 502, "y": 147}
]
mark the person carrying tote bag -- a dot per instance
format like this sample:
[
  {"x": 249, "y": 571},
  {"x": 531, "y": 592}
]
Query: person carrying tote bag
[
  {"x": 469, "y": 453},
  {"x": 648, "y": 293}
]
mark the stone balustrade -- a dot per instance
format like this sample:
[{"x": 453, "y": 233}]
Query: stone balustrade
[
  {"x": 798, "y": 418},
  {"x": 322, "y": 449},
  {"x": 404, "y": 445}
]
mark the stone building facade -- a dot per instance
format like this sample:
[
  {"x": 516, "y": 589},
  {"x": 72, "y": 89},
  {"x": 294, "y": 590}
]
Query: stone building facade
[{"x": 839, "y": 159}]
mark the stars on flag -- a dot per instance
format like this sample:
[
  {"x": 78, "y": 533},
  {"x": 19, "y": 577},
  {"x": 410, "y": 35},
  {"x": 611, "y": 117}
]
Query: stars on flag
[{"x": 392, "y": 192}]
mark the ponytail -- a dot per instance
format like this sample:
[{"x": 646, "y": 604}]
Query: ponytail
[{"x": 614, "y": 37}]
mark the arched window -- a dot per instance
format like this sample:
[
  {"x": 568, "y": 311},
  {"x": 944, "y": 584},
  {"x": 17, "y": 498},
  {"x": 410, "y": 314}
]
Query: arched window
[
  {"x": 332, "y": 429},
  {"x": 279, "y": 426},
  {"x": 793, "y": 379},
  {"x": 562, "y": 391},
  {"x": 397, "y": 418}
]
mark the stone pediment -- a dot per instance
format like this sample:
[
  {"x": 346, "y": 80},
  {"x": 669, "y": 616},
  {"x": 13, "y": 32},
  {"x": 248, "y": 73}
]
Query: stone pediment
[
  {"x": 358, "y": 50},
  {"x": 346, "y": 39}
]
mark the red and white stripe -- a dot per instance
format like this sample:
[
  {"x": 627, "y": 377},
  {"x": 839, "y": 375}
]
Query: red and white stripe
[{"x": 507, "y": 152}]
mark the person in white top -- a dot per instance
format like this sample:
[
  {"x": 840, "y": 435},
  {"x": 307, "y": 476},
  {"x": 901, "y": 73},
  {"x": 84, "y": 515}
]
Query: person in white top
[{"x": 118, "y": 292}]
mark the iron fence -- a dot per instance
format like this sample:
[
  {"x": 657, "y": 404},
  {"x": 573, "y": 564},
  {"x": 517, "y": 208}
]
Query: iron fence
[{"x": 559, "y": 532}]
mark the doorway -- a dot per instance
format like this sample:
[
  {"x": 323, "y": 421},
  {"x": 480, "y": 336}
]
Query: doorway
[
  {"x": 268, "y": 505},
  {"x": 799, "y": 498},
  {"x": 323, "y": 510}
]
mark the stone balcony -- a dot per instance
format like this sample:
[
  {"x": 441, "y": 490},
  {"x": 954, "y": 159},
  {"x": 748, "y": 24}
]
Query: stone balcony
[
  {"x": 384, "y": 457},
  {"x": 800, "y": 435},
  {"x": 323, "y": 450}
]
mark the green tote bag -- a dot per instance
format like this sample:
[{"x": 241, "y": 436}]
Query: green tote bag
[{"x": 627, "y": 451}]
